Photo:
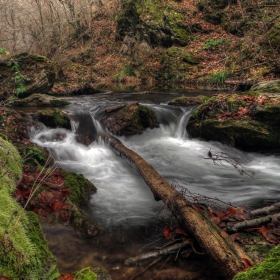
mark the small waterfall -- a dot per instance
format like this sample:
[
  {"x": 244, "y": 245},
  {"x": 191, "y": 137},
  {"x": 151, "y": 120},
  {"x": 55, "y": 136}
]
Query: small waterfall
[{"x": 181, "y": 131}]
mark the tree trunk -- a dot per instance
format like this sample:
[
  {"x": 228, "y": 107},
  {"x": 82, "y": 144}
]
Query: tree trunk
[{"x": 218, "y": 244}]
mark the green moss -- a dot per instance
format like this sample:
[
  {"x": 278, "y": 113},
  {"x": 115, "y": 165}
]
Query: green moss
[
  {"x": 188, "y": 101},
  {"x": 80, "y": 187},
  {"x": 85, "y": 274},
  {"x": 24, "y": 252},
  {"x": 54, "y": 118},
  {"x": 268, "y": 269}
]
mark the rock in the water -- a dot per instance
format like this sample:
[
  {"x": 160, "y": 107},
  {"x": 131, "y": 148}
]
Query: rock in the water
[
  {"x": 131, "y": 119},
  {"x": 37, "y": 71},
  {"x": 39, "y": 99},
  {"x": 54, "y": 118},
  {"x": 188, "y": 101},
  {"x": 248, "y": 121}
]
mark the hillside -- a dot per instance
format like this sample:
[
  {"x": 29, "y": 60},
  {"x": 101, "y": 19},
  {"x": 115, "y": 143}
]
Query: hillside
[{"x": 164, "y": 43}]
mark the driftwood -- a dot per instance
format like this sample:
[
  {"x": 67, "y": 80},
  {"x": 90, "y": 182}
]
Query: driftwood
[
  {"x": 118, "y": 107},
  {"x": 164, "y": 251},
  {"x": 235, "y": 227},
  {"x": 224, "y": 251},
  {"x": 265, "y": 210}
]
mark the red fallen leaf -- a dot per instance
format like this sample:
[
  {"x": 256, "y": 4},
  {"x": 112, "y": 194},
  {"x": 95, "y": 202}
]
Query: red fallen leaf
[
  {"x": 57, "y": 206},
  {"x": 64, "y": 215},
  {"x": 4, "y": 278},
  {"x": 224, "y": 234},
  {"x": 266, "y": 233},
  {"x": 262, "y": 100},
  {"x": 197, "y": 208},
  {"x": 168, "y": 232},
  {"x": 67, "y": 206},
  {"x": 215, "y": 220},
  {"x": 26, "y": 168},
  {"x": 67, "y": 276},
  {"x": 234, "y": 236},
  {"x": 45, "y": 212},
  {"x": 180, "y": 231},
  {"x": 247, "y": 263}
]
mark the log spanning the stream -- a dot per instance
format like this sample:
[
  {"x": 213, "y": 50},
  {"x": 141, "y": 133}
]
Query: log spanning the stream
[{"x": 217, "y": 243}]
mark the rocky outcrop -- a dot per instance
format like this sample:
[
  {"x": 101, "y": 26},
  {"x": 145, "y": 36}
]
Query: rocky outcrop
[
  {"x": 131, "y": 119},
  {"x": 152, "y": 21},
  {"x": 37, "y": 74},
  {"x": 40, "y": 100},
  {"x": 246, "y": 121}
]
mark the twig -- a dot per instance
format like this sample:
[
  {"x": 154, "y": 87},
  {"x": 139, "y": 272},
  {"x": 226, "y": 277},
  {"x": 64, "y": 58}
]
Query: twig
[
  {"x": 221, "y": 158},
  {"x": 146, "y": 268}
]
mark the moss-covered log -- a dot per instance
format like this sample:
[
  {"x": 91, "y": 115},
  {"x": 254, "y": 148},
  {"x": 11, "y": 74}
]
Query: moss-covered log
[{"x": 223, "y": 250}]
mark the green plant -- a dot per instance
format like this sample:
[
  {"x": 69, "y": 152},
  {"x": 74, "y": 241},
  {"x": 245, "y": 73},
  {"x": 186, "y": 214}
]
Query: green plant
[
  {"x": 213, "y": 44},
  {"x": 218, "y": 78},
  {"x": 19, "y": 79}
]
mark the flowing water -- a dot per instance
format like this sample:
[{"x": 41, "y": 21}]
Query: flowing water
[{"x": 123, "y": 203}]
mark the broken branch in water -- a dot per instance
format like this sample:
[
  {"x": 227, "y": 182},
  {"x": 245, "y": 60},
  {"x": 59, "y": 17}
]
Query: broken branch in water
[
  {"x": 165, "y": 251},
  {"x": 222, "y": 158}
]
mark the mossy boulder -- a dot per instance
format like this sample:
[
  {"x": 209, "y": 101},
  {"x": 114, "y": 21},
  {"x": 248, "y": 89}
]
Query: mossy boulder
[
  {"x": 272, "y": 36},
  {"x": 54, "y": 118},
  {"x": 24, "y": 250},
  {"x": 182, "y": 55},
  {"x": 40, "y": 100},
  {"x": 188, "y": 101},
  {"x": 153, "y": 21},
  {"x": 247, "y": 122},
  {"x": 131, "y": 119},
  {"x": 268, "y": 269},
  {"x": 267, "y": 86},
  {"x": 37, "y": 70}
]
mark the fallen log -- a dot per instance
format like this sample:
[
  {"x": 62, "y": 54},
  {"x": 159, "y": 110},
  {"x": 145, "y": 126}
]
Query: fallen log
[
  {"x": 211, "y": 238},
  {"x": 164, "y": 251}
]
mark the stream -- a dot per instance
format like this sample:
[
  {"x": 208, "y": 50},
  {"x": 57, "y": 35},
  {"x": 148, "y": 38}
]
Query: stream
[{"x": 123, "y": 204}]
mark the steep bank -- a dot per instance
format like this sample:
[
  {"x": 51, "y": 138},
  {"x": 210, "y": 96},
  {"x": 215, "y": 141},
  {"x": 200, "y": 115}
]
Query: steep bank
[{"x": 177, "y": 43}]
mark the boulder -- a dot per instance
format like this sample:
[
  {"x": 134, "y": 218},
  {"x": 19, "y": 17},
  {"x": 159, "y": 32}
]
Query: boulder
[
  {"x": 37, "y": 72},
  {"x": 153, "y": 21},
  {"x": 188, "y": 101},
  {"x": 39, "y": 99},
  {"x": 24, "y": 248},
  {"x": 267, "y": 86},
  {"x": 54, "y": 118},
  {"x": 131, "y": 119},
  {"x": 249, "y": 121}
]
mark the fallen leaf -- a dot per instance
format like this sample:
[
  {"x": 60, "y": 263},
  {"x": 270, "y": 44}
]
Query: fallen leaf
[{"x": 168, "y": 232}]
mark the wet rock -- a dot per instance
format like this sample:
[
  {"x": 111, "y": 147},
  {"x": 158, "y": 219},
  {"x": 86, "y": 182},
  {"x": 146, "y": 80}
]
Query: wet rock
[
  {"x": 248, "y": 122},
  {"x": 54, "y": 118},
  {"x": 37, "y": 70},
  {"x": 38, "y": 99},
  {"x": 188, "y": 101},
  {"x": 131, "y": 119}
]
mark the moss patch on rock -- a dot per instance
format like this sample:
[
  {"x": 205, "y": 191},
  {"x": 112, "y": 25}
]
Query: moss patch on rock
[
  {"x": 268, "y": 269},
  {"x": 267, "y": 86},
  {"x": 244, "y": 121},
  {"x": 81, "y": 188},
  {"x": 188, "y": 101},
  {"x": 38, "y": 99},
  {"x": 131, "y": 119},
  {"x": 54, "y": 118},
  {"x": 24, "y": 251}
]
